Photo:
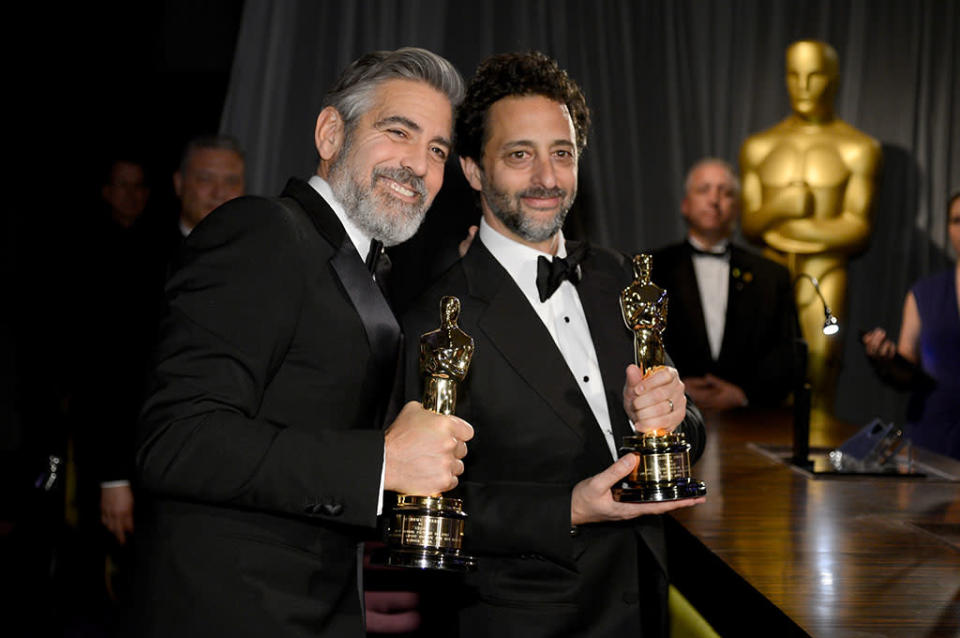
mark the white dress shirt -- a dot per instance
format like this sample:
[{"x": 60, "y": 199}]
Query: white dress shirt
[
  {"x": 561, "y": 314},
  {"x": 360, "y": 239},
  {"x": 713, "y": 282},
  {"x": 362, "y": 243}
]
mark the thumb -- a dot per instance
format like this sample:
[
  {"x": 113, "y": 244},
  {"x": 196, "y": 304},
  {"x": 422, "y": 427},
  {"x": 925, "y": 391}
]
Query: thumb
[
  {"x": 616, "y": 472},
  {"x": 634, "y": 375}
]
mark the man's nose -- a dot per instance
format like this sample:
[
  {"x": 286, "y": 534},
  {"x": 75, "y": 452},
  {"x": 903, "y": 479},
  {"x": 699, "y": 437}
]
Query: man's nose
[
  {"x": 544, "y": 172},
  {"x": 219, "y": 190},
  {"x": 415, "y": 160}
]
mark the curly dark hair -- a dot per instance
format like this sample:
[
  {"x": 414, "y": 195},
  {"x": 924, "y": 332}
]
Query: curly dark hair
[{"x": 507, "y": 74}]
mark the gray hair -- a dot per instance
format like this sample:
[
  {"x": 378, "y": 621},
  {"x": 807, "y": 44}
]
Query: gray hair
[
  {"x": 724, "y": 164},
  {"x": 216, "y": 142},
  {"x": 352, "y": 95}
]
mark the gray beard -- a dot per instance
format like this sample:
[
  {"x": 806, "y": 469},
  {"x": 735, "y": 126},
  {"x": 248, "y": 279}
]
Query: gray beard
[
  {"x": 509, "y": 211},
  {"x": 378, "y": 215}
]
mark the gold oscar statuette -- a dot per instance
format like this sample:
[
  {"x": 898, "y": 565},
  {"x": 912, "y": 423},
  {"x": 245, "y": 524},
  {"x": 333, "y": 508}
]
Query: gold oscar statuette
[
  {"x": 663, "y": 470},
  {"x": 426, "y": 531}
]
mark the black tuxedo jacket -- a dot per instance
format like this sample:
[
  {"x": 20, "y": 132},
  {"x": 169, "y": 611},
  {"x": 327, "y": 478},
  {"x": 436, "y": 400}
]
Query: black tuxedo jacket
[
  {"x": 536, "y": 437},
  {"x": 757, "y": 351},
  {"x": 261, "y": 442}
]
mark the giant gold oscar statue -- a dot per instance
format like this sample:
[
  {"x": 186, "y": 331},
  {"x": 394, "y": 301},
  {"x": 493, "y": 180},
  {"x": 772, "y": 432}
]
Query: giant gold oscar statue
[
  {"x": 426, "y": 531},
  {"x": 662, "y": 472},
  {"x": 808, "y": 189}
]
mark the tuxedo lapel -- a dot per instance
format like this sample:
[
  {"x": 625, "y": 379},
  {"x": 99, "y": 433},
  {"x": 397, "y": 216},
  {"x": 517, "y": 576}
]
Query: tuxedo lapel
[
  {"x": 515, "y": 329},
  {"x": 379, "y": 322},
  {"x": 613, "y": 342},
  {"x": 737, "y": 292}
]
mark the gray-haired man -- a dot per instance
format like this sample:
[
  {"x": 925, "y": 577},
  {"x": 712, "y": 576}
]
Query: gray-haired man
[{"x": 261, "y": 444}]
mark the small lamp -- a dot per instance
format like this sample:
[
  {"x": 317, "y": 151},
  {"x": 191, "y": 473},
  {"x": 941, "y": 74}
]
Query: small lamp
[{"x": 830, "y": 324}]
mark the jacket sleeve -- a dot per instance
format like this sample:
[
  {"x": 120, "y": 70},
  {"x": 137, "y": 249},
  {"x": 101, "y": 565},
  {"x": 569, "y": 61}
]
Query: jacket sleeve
[
  {"x": 234, "y": 308},
  {"x": 692, "y": 426}
]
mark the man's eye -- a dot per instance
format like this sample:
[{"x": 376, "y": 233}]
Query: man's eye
[
  {"x": 519, "y": 155},
  {"x": 440, "y": 152},
  {"x": 397, "y": 132}
]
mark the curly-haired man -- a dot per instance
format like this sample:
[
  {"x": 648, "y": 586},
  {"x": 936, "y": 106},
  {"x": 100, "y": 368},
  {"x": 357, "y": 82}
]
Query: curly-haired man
[{"x": 551, "y": 390}]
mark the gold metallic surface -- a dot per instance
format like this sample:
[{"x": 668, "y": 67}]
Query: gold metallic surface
[
  {"x": 808, "y": 189},
  {"x": 643, "y": 305},
  {"x": 445, "y": 356},
  {"x": 426, "y": 531},
  {"x": 663, "y": 469}
]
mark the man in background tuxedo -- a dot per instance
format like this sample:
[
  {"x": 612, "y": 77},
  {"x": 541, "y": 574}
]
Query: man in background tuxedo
[
  {"x": 260, "y": 445},
  {"x": 211, "y": 173},
  {"x": 549, "y": 390},
  {"x": 732, "y": 320}
]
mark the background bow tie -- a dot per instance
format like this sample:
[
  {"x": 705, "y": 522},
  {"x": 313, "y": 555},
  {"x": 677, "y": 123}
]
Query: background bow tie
[
  {"x": 708, "y": 253},
  {"x": 550, "y": 274}
]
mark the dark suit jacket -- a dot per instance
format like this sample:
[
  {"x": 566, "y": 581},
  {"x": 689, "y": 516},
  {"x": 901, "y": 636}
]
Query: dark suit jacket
[
  {"x": 260, "y": 443},
  {"x": 757, "y": 351},
  {"x": 536, "y": 437}
]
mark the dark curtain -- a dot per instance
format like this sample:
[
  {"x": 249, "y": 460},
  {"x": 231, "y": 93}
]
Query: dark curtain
[{"x": 669, "y": 81}]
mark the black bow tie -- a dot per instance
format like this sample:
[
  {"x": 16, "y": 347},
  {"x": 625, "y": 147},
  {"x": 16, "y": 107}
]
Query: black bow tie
[
  {"x": 378, "y": 263},
  {"x": 708, "y": 253},
  {"x": 374, "y": 254},
  {"x": 550, "y": 274}
]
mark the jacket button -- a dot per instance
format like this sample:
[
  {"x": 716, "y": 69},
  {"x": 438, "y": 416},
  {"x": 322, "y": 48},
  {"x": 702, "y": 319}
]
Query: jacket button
[{"x": 332, "y": 509}]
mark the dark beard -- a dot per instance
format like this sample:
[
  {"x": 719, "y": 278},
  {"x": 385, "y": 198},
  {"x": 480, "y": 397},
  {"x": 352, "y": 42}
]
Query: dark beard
[{"x": 509, "y": 211}]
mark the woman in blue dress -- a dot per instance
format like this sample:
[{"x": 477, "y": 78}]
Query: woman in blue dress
[{"x": 930, "y": 339}]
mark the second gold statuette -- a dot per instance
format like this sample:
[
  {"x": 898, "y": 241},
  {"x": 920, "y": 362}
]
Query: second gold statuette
[
  {"x": 426, "y": 531},
  {"x": 663, "y": 468}
]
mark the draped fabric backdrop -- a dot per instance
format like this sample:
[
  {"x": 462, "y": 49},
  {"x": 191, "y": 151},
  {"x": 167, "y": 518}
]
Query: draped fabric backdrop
[{"x": 668, "y": 81}]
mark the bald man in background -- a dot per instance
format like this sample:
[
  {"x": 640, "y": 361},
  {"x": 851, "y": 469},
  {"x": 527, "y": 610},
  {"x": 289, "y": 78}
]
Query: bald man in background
[{"x": 732, "y": 321}]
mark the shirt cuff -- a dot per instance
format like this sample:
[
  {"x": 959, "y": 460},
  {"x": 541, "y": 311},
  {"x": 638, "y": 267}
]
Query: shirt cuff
[
  {"x": 118, "y": 484},
  {"x": 383, "y": 475}
]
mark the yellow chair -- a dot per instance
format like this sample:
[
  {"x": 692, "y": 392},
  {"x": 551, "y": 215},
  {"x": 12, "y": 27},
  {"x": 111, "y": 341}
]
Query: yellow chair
[{"x": 685, "y": 620}]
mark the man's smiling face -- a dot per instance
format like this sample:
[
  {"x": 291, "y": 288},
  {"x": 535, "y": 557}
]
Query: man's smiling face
[
  {"x": 529, "y": 175},
  {"x": 391, "y": 164}
]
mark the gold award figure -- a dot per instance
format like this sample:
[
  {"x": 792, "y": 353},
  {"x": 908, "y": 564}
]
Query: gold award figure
[
  {"x": 644, "y": 308},
  {"x": 426, "y": 531},
  {"x": 445, "y": 356},
  {"x": 808, "y": 190},
  {"x": 662, "y": 472}
]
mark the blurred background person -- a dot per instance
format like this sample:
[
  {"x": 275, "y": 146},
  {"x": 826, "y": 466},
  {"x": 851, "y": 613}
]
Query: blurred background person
[
  {"x": 732, "y": 321},
  {"x": 211, "y": 173},
  {"x": 926, "y": 357},
  {"x": 111, "y": 317},
  {"x": 125, "y": 191}
]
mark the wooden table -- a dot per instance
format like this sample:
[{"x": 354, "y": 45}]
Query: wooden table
[{"x": 775, "y": 551}]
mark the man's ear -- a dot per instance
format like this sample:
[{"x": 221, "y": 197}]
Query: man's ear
[
  {"x": 177, "y": 183},
  {"x": 329, "y": 133},
  {"x": 473, "y": 173}
]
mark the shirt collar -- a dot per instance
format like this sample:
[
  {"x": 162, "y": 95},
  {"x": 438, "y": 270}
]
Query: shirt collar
[
  {"x": 519, "y": 260},
  {"x": 359, "y": 238},
  {"x": 720, "y": 247}
]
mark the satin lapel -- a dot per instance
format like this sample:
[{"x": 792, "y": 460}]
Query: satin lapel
[
  {"x": 515, "y": 330},
  {"x": 379, "y": 322},
  {"x": 600, "y": 297}
]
